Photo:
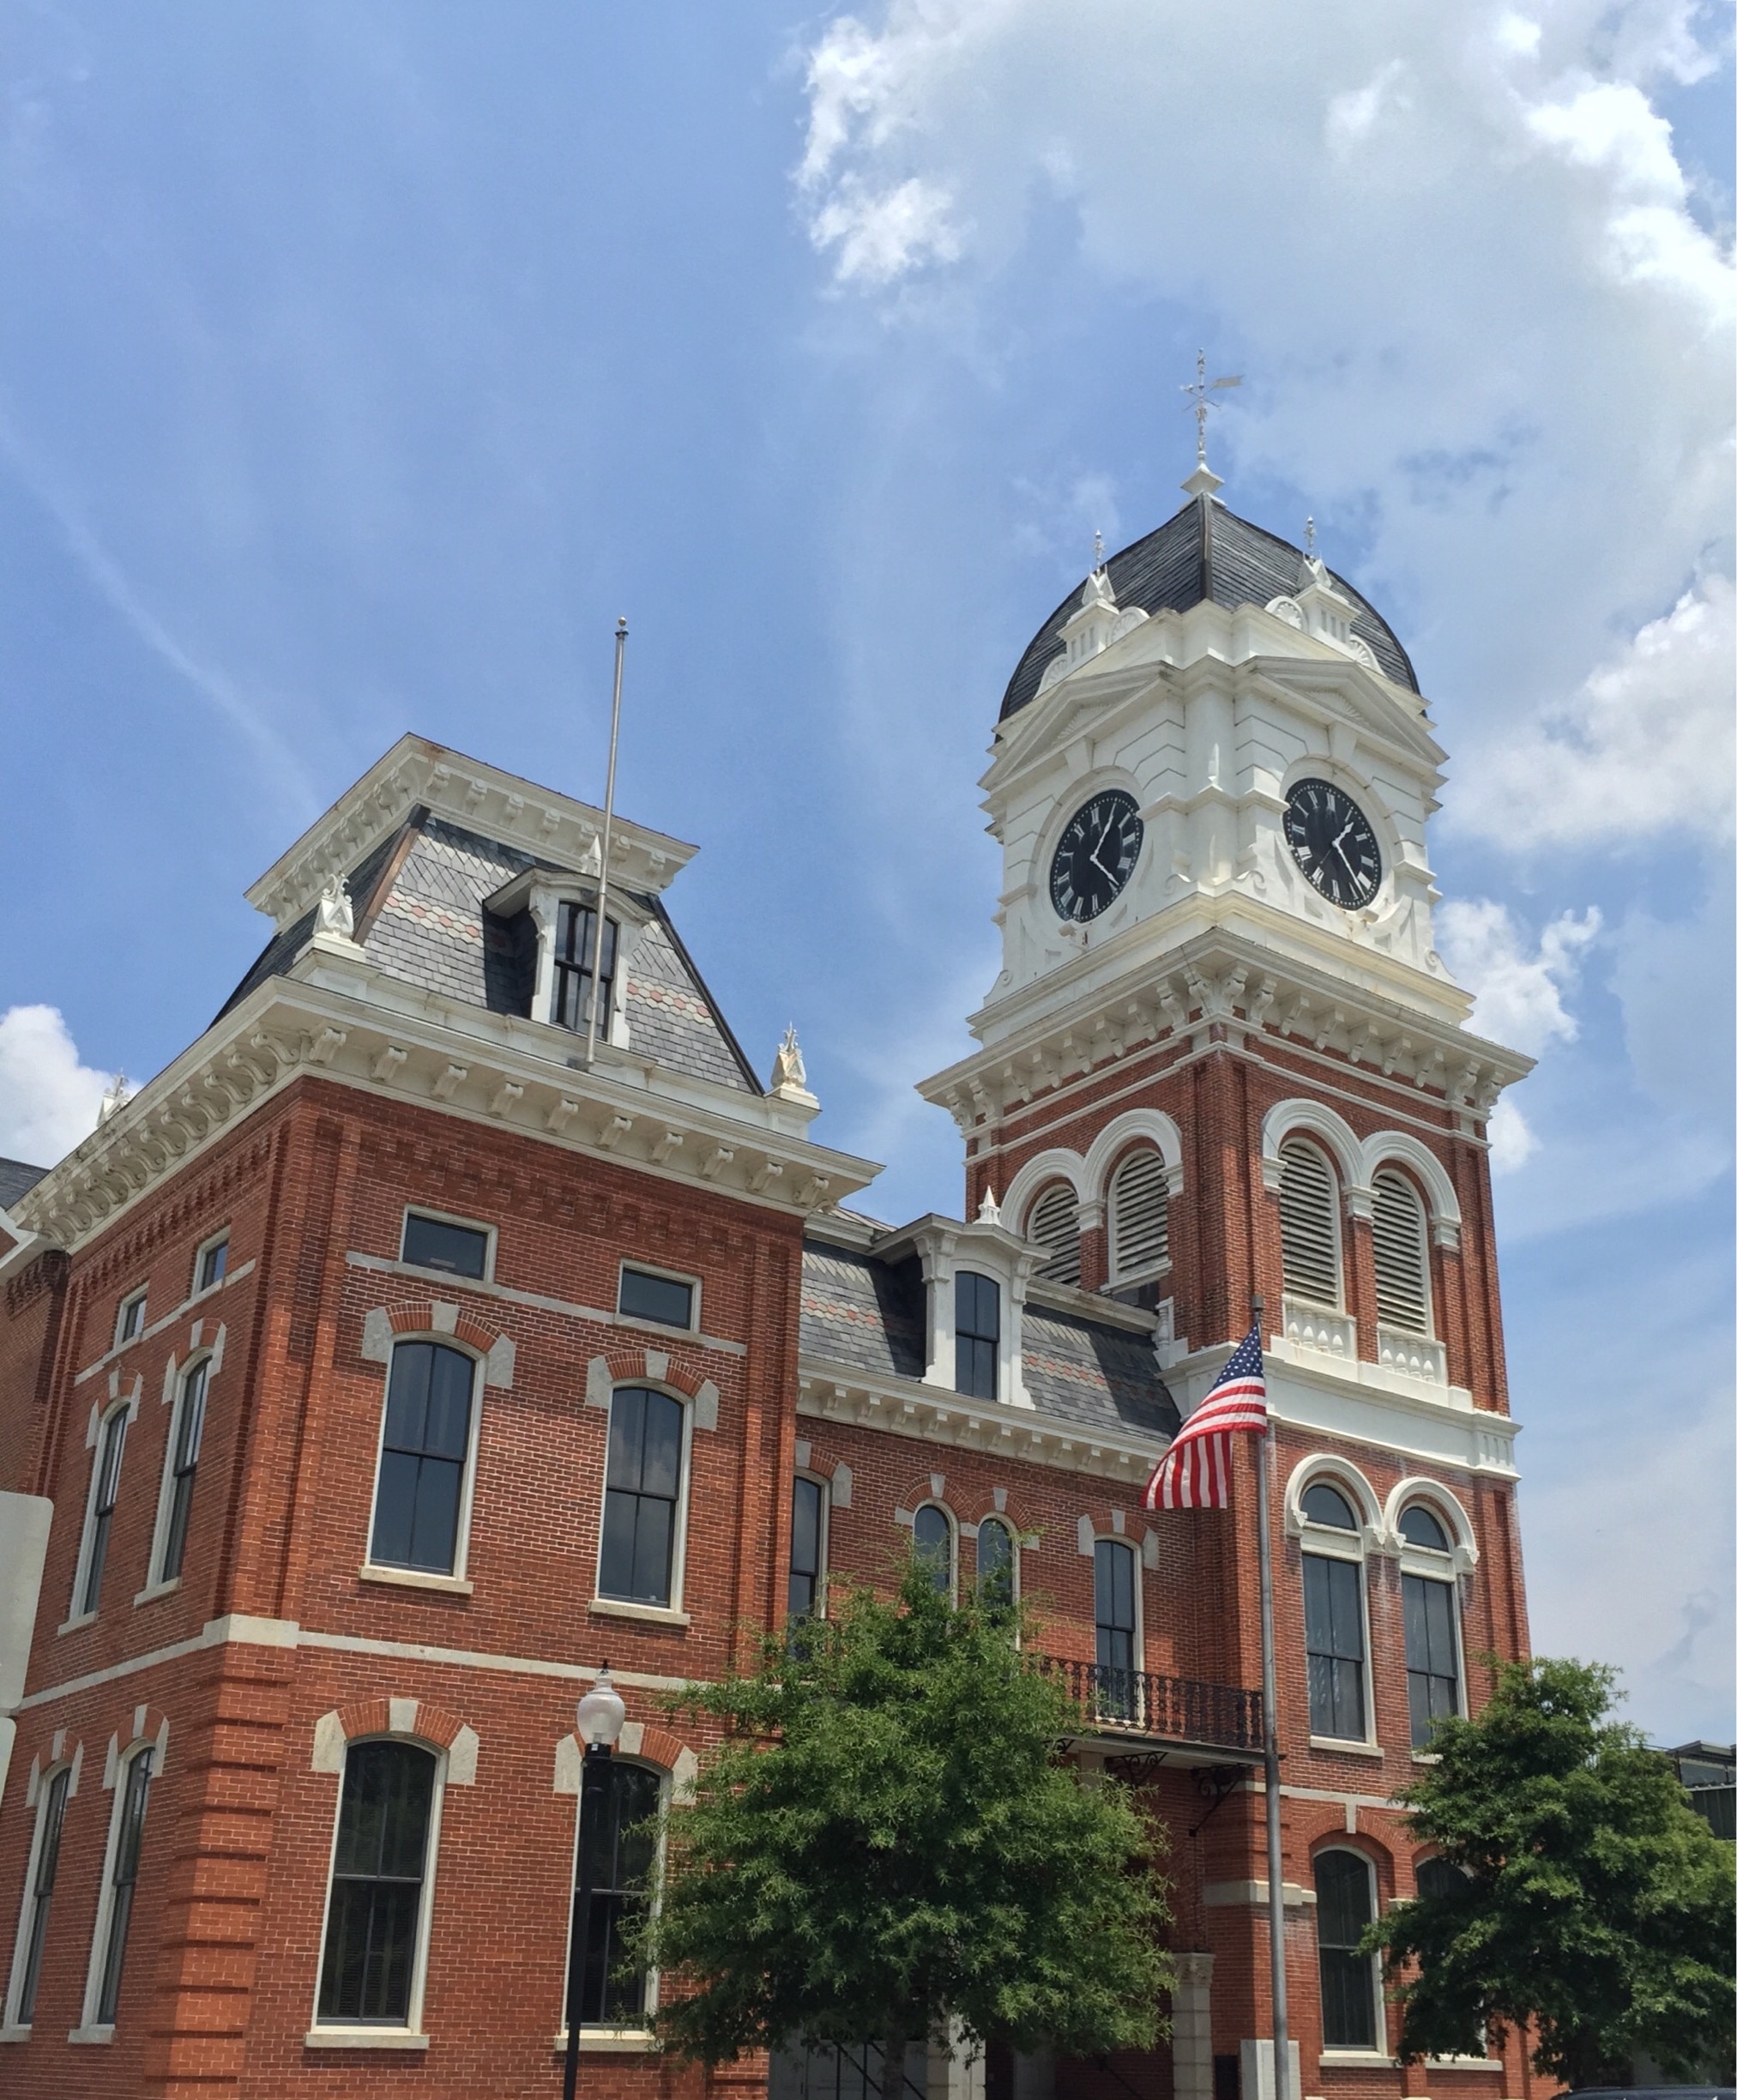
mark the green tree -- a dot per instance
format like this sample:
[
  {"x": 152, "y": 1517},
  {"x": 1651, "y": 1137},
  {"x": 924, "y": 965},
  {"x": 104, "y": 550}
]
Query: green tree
[
  {"x": 887, "y": 1840},
  {"x": 1591, "y": 1899}
]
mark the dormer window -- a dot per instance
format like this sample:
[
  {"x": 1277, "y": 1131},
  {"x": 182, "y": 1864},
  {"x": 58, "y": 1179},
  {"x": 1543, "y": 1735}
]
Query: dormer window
[
  {"x": 976, "y": 1334},
  {"x": 576, "y": 940}
]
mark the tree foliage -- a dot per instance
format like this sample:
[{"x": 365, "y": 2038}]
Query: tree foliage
[
  {"x": 1592, "y": 1900},
  {"x": 886, "y": 1841}
]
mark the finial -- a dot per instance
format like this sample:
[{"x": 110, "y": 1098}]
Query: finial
[
  {"x": 989, "y": 1212},
  {"x": 113, "y": 1097},
  {"x": 789, "y": 1073},
  {"x": 1203, "y": 481},
  {"x": 1097, "y": 549},
  {"x": 1309, "y": 536}
]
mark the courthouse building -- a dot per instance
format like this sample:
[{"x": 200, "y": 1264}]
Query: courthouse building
[{"x": 388, "y": 1362}]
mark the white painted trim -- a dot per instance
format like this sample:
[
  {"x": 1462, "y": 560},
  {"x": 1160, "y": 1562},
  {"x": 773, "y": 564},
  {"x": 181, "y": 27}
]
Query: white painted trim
[
  {"x": 1443, "y": 1503},
  {"x": 175, "y": 1382},
  {"x": 140, "y": 1297},
  {"x": 672, "y": 1613},
  {"x": 446, "y": 1217},
  {"x": 1351, "y": 1481},
  {"x": 1378, "y": 2053},
  {"x": 1129, "y": 1128},
  {"x": 1443, "y": 1204},
  {"x": 212, "y": 1240},
  {"x": 128, "y": 1405},
  {"x": 668, "y": 1275},
  {"x": 1318, "y": 1544},
  {"x": 37, "y": 1798},
  {"x": 115, "y": 1780},
  {"x": 364, "y": 2038},
  {"x": 665, "y": 1780},
  {"x": 807, "y": 1471},
  {"x": 446, "y": 1338},
  {"x": 934, "y": 1501},
  {"x": 1058, "y": 1164}
]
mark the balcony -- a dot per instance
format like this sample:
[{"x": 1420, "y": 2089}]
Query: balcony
[{"x": 1140, "y": 1703}]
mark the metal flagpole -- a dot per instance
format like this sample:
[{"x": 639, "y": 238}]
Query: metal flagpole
[
  {"x": 1276, "y": 1883},
  {"x": 603, "y": 863}
]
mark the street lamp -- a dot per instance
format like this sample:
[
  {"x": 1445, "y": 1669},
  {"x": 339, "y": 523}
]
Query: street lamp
[{"x": 601, "y": 1715}]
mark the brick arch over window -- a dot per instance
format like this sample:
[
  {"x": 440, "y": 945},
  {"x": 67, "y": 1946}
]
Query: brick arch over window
[
  {"x": 1400, "y": 1148},
  {"x": 54, "y": 1749},
  {"x": 384, "y": 1714},
  {"x": 640, "y": 1742},
  {"x": 433, "y": 1320},
  {"x": 141, "y": 1724},
  {"x": 669, "y": 1368},
  {"x": 1442, "y": 1503}
]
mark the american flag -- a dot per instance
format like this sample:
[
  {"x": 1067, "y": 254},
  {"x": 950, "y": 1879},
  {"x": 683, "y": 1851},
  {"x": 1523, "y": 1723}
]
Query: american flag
[{"x": 1195, "y": 1472}]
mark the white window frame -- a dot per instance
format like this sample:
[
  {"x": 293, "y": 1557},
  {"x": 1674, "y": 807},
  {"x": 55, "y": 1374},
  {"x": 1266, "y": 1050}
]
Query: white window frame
[
  {"x": 88, "y": 2030},
  {"x": 598, "y": 2033},
  {"x": 1327, "y": 1542},
  {"x": 154, "y": 1584},
  {"x": 1335, "y": 1214},
  {"x": 1132, "y": 1546},
  {"x": 1144, "y": 1272},
  {"x": 1432, "y": 1566},
  {"x": 14, "y": 2028},
  {"x": 1425, "y": 1248},
  {"x": 1341, "y": 2052},
  {"x": 970, "y": 1265},
  {"x": 935, "y": 1502},
  {"x": 346, "y": 2034},
  {"x": 630, "y": 1608},
  {"x": 140, "y": 1297},
  {"x": 666, "y": 1275},
  {"x": 820, "y": 1482},
  {"x": 204, "y": 1247},
  {"x": 128, "y": 1405},
  {"x": 446, "y": 1217},
  {"x": 425, "y": 1577},
  {"x": 1000, "y": 1516},
  {"x": 1037, "y": 1196}
]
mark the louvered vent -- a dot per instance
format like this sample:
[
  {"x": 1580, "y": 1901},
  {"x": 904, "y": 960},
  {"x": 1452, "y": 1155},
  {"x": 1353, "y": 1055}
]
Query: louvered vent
[
  {"x": 1308, "y": 1202},
  {"x": 1054, "y": 1224},
  {"x": 1401, "y": 1260},
  {"x": 1139, "y": 1215}
]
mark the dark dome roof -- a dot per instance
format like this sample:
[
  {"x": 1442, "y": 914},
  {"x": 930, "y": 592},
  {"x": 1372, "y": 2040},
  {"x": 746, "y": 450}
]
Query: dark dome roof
[{"x": 1204, "y": 551}]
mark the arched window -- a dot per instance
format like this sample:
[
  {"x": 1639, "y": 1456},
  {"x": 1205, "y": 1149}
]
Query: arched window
[
  {"x": 1402, "y": 1254},
  {"x": 1139, "y": 1215},
  {"x": 425, "y": 1458},
  {"x": 186, "y": 1435},
  {"x": 641, "y": 1499},
  {"x": 1053, "y": 1223},
  {"x": 932, "y": 1530},
  {"x": 1438, "y": 1880},
  {"x": 1431, "y": 1602},
  {"x": 1344, "y": 1909},
  {"x": 617, "y": 1840},
  {"x": 976, "y": 1334},
  {"x": 119, "y": 1880},
  {"x": 998, "y": 1566},
  {"x": 39, "y": 1895},
  {"x": 1309, "y": 1221},
  {"x": 368, "y": 1972},
  {"x": 1334, "y": 1639},
  {"x": 104, "y": 1493}
]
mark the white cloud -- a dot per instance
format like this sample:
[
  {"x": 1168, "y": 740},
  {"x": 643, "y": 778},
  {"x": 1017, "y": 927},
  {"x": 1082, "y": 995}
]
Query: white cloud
[
  {"x": 881, "y": 235},
  {"x": 1519, "y": 995},
  {"x": 1512, "y": 1141},
  {"x": 48, "y": 1098},
  {"x": 1647, "y": 744}
]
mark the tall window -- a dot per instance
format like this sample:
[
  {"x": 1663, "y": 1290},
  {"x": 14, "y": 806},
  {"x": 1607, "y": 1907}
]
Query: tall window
[
  {"x": 1431, "y": 1648},
  {"x": 130, "y": 1322},
  {"x": 378, "y": 1868},
  {"x": 932, "y": 1530},
  {"x": 641, "y": 1497},
  {"x": 996, "y": 1578},
  {"x": 1055, "y": 1223},
  {"x": 51, "y": 1817},
  {"x": 807, "y": 1526},
  {"x": 424, "y": 1451},
  {"x": 976, "y": 1334},
  {"x": 183, "y": 1463},
  {"x": 1309, "y": 1221},
  {"x": 111, "y": 1444},
  {"x": 1402, "y": 1254},
  {"x": 1113, "y": 1612},
  {"x": 575, "y": 935},
  {"x": 123, "y": 1873},
  {"x": 617, "y": 1840},
  {"x": 1344, "y": 1909},
  {"x": 1333, "y": 1637},
  {"x": 1139, "y": 1215}
]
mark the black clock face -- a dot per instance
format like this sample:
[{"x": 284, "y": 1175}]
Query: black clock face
[
  {"x": 1331, "y": 840},
  {"x": 1095, "y": 856}
]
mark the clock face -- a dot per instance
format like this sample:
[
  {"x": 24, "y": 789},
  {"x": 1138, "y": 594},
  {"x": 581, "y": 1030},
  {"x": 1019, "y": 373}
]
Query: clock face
[
  {"x": 1331, "y": 840},
  {"x": 1095, "y": 856}
]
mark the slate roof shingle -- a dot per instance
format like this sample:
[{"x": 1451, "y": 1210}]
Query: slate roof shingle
[
  {"x": 17, "y": 1180},
  {"x": 1203, "y": 551}
]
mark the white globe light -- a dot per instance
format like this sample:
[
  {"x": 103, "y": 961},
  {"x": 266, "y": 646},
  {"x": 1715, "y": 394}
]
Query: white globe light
[{"x": 601, "y": 1713}]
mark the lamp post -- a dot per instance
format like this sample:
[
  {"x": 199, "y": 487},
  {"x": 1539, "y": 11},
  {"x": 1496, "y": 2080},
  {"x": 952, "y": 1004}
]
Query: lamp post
[{"x": 601, "y": 1715}]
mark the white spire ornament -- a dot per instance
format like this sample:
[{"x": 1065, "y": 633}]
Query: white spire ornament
[
  {"x": 790, "y": 1074},
  {"x": 1202, "y": 481}
]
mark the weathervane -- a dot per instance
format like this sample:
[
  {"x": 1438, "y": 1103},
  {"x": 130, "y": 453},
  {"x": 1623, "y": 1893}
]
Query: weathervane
[
  {"x": 1309, "y": 530},
  {"x": 1200, "y": 394},
  {"x": 1097, "y": 550}
]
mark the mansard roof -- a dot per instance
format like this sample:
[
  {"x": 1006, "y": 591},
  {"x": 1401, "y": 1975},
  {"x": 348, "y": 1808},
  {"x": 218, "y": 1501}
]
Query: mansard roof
[
  {"x": 860, "y": 1311},
  {"x": 16, "y": 1179},
  {"x": 420, "y": 916},
  {"x": 1204, "y": 551}
]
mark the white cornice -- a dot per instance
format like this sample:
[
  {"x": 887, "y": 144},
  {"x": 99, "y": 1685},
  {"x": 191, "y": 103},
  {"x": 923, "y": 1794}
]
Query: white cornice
[
  {"x": 355, "y": 1027},
  {"x": 841, "y": 1392},
  {"x": 516, "y": 812}
]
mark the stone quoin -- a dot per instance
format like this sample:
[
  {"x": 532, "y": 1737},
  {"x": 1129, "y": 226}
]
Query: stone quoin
[{"x": 384, "y": 1365}]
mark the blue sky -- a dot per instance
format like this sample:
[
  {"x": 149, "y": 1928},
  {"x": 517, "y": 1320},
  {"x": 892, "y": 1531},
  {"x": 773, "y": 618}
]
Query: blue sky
[{"x": 360, "y": 362}]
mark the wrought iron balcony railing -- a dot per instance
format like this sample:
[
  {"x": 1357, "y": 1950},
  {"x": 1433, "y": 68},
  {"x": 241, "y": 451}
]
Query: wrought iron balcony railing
[{"x": 1169, "y": 1709}]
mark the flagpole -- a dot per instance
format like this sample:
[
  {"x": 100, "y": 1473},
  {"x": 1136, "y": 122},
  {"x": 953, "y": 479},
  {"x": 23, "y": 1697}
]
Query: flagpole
[
  {"x": 1275, "y": 1882},
  {"x": 603, "y": 850}
]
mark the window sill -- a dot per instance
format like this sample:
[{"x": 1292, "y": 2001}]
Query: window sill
[
  {"x": 611, "y": 2041},
  {"x": 1341, "y": 1746},
  {"x": 72, "y": 1625},
  {"x": 1357, "y": 2059},
  {"x": 653, "y": 1614},
  {"x": 93, "y": 2034},
  {"x": 364, "y": 2037},
  {"x": 152, "y": 1591},
  {"x": 1463, "y": 2063},
  {"x": 415, "y": 1579},
  {"x": 1432, "y": 1757},
  {"x": 15, "y": 2034}
]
